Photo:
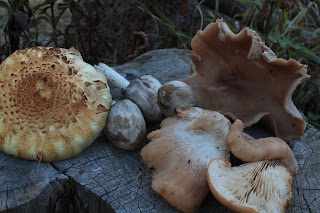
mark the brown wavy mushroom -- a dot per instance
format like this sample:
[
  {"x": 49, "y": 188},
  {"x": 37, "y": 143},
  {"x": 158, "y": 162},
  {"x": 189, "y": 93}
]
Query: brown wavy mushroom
[
  {"x": 239, "y": 76},
  {"x": 180, "y": 153},
  {"x": 249, "y": 149},
  {"x": 29, "y": 82}
]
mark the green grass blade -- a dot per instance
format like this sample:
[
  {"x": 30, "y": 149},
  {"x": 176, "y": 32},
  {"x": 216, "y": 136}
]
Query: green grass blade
[
  {"x": 255, "y": 3},
  {"x": 164, "y": 17}
]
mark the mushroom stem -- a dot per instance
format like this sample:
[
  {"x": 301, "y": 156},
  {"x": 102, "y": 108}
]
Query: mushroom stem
[
  {"x": 115, "y": 78},
  {"x": 251, "y": 150}
]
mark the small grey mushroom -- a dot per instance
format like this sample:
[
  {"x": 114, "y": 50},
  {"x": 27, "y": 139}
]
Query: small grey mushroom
[
  {"x": 173, "y": 95},
  {"x": 125, "y": 126},
  {"x": 142, "y": 91}
]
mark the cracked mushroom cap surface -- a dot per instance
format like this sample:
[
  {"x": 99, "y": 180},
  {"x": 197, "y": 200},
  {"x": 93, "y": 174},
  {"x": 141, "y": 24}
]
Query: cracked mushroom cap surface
[
  {"x": 180, "y": 153},
  {"x": 263, "y": 186},
  {"x": 239, "y": 76},
  {"x": 29, "y": 81}
]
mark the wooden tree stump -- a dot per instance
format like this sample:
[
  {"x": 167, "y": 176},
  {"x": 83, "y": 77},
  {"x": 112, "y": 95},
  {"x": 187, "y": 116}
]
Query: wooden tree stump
[{"x": 51, "y": 190}]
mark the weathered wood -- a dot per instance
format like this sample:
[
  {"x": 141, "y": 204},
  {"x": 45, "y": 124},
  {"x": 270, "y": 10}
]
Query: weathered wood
[
  {"x": 16, "y": 180},
  {"x": 306, "y": 188},
  {"x": 111, "y": 174}
]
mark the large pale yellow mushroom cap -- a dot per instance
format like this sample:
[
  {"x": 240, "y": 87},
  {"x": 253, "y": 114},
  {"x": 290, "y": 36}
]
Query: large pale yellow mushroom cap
[
  {"x": 29, "y": 80},
  {"x": 239, "y": 76}
]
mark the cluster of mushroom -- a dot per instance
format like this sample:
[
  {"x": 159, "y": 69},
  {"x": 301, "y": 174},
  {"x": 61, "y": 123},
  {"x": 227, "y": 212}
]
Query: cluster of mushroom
[
  {"x": 192, "y": 151},
  {"x": 126, "y": 123},
  {"x": 146, "y": 100},
  {"x": 236, "y": 76}
]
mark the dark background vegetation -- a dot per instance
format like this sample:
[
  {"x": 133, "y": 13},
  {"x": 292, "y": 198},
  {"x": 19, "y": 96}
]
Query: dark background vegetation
[{"x": 116, "y": 31}]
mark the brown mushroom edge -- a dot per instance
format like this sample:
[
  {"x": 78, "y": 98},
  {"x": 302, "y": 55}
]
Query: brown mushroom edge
[
  {"x": 239, "y": 76},
  {"x": 249, "y": 149}
]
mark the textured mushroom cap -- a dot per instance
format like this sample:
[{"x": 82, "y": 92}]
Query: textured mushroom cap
[
  {"x": 175, "y": 95},
  {"x": 180, "y": 153},
  {"x": 239, "y": 76},
  {"x": 28, "y": 83},
  {"x": 263, "y": 186},
  {"x": 125, "y": 125},
  {"x": 143, "y": 91}
]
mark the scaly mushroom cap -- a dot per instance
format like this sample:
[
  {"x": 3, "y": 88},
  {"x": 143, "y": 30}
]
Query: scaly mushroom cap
[
  {"x": 28, "y": 83},
  {"x": 239, "y": 76},
  {"x": 263, "y": 186},
  {"x": 180, "y": 153}
]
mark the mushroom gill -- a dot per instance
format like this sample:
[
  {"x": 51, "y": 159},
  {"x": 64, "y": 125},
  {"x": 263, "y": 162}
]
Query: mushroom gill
[
  {"x": 180, "y": 153},
  {"x": 263, "y": 186},
  {"x": 239, "y": 76}
]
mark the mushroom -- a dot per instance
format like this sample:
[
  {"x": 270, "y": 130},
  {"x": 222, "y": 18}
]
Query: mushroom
[
  {"x": 263, "y": 186},
  {"x": 249, "y": 149},
  {"x": 239, "y": 76},
  {"x": 173, "y": 95},
  {"x": 180, "y": 153},
  {"x": 125, "y": 126},
  {"x": 142, "y": 91},
  {"x": 52, "y": 104}
]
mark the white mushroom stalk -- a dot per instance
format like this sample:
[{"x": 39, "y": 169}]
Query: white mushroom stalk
[{"x": 115, "y": 78}]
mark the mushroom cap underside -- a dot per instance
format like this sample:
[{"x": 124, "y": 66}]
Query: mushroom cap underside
[
  {"x": 263, "y": 186},
  {"x": 239, "y": 76},
  {"x": 29, "y": 80},
  {"x": 180, "y": 152}
]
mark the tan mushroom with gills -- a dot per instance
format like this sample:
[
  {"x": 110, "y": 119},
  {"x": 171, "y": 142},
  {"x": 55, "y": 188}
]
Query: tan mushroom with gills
[
  {"x": 249, "y": 149},
  {"x": 263, "y": 186},
  {"x": 239, "y": 76},
  {"x": 180, "y": 153},
  {"x": 41, "y": 82}
]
